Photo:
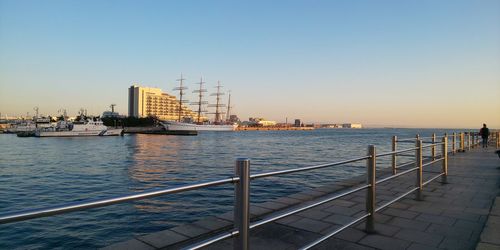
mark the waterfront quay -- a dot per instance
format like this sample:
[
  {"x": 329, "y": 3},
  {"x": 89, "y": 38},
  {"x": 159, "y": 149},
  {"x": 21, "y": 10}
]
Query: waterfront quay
[
  {"x": 438, "y": 198},
  {"x": 266, "y": 128},
  {"x": 453, "y": 208}
]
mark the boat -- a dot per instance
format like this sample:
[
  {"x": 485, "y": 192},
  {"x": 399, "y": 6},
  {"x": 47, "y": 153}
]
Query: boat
[
  {"x": 199, "y": 125},
  {"x": 86, "y": 127},
  {"x": 183, "y": 126}
]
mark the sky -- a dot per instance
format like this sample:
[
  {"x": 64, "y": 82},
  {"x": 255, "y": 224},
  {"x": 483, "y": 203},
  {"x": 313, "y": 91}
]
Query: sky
[{"x": 380, "y": 63}]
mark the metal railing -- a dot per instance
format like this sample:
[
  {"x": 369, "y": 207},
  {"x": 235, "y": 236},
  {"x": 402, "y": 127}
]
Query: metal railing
[{"x": 243, "y": 178}]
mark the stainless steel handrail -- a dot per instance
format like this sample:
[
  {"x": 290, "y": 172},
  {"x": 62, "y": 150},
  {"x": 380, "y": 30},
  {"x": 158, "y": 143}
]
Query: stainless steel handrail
[
  {"x": 86, "y": 204},
  {"x": 288, "y": 171},
  {"x": 395, "y": 152},
  {"x": 316, "y": 242},
  {"x": 432, "y": 162},
  {"x": 272, "y": 218},
  {"x": 241, "y": 179},
  {"x": 300, "y": 209},
  {"x": 396, "y": 175},
  {"x": 405, "y": 164},
  {"x": 433, "y": 178},
  {"x": 406, "y": 139},
  {"x": 396, "y": 199},
  {"x": 432, "y": 145}
]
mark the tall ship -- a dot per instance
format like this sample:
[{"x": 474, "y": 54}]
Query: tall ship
[
  {"x": 84, "y": 127},
  {"x": 201, "y": 125}
]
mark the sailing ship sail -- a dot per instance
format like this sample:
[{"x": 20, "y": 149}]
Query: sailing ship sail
[{"x": 201, "y": 125}]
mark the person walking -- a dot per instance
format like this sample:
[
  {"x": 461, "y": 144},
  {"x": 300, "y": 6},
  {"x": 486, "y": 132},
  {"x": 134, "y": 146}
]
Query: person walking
[{"x": 484, "y": 132}]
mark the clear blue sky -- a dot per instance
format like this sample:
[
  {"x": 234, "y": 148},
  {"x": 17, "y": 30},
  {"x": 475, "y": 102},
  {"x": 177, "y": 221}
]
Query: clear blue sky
[{"x": 401, "y": 63}]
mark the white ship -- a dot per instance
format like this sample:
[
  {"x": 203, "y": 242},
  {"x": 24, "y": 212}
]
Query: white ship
[
  {"x": 90, "y": 127},
  {"x": 28, "y": 127},
  {"x": 218, "y": 125},
  {"x": 182, "y": 126}
]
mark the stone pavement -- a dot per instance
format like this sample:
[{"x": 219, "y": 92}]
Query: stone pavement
[
  {"x": 490, "y": 237},
  {"x": 450, "y": 216}
]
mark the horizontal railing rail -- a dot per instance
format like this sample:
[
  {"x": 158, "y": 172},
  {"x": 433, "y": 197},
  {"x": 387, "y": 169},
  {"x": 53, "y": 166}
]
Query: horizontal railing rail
[
  {"x": 94, "y": 203},
  {"x": 242, "y": 179}
]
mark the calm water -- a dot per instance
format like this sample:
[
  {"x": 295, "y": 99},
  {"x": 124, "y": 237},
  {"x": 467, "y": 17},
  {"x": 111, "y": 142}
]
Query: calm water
[{"x": 38, "y": 172}]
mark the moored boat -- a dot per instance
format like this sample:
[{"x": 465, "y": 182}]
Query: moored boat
[
  {"x": 182, "y": 126},
  {"x": 187, "y": 124},
  {"x": 89, "y": 127}
]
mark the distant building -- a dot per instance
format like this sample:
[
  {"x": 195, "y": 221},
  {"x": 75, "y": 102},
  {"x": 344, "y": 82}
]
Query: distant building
[
  {"x": 265, "y": 123},
  {"x": 297, "y": 123},
  {"x": 352, "y": 125},
  {"x": 111, "y": 114},
  {"x": 145, "y": 101},
  {"x": 253, "y": 121}
]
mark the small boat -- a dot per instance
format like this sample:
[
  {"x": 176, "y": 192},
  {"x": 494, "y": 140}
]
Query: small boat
[{"x": 88, "y": 127}]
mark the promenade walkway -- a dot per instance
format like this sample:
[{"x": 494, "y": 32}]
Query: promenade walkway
[{"x": 450, "y": 216}]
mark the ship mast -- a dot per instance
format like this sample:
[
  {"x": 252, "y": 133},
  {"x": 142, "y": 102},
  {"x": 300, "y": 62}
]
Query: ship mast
[
  {"x": 228, "y": 105},
  {"x": 218, "y": 103},
  {"x": 36, "y": 111},
  {"x": 181, "y": 89},
  {"x": 200, "y": 92}
]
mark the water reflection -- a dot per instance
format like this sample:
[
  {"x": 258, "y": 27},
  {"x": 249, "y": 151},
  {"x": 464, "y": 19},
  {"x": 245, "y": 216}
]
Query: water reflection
[
  {"x": 38, "y": 172},
  {"x": 155, "y": 160}
]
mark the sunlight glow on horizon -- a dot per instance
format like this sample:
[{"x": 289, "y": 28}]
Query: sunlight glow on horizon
[{"x": 386, "y": 63}]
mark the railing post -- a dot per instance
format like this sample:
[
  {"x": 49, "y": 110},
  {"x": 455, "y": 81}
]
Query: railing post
[
  {"x": 468, "y": 141},
  {"x": 445, "y": 160},
  {"x": 498, "y": 139},
  {"x": 462, "y": 142},
  {"x": 417, "y": 138},
  {"x": 433, "y": 148},
  {"x": 446, "y": 135},
  {"x": 454, "y": 142},
  {"x": 418, "y": 161},
  {"x": 242, "y": 204},
  {"x": 394, "y": 157},
  {"x": 370, "y": 193}
]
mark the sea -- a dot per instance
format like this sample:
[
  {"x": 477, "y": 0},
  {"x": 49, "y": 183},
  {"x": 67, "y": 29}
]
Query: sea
[{"x": 44, "y": 172}]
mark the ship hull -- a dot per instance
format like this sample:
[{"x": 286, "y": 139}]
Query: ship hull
[
  {"x": 109, "y": 132},
  {"x": 179, "y": 126}
]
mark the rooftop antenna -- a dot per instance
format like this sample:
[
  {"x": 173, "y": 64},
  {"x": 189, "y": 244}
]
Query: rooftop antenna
[
  {"x": 181, "y": 89},
  {"x": 218, "y": 103},
  {"x": 200, "y": 101}
]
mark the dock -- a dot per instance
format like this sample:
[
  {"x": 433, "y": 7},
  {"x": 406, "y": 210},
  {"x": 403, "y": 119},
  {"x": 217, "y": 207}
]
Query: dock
[
  {"x": 461, "y": 213},
  {"x": 157, "y": 131}
]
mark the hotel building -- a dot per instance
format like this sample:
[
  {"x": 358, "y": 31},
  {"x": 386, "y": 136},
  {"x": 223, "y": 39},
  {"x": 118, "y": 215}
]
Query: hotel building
[{"x": 145, "y": 101}]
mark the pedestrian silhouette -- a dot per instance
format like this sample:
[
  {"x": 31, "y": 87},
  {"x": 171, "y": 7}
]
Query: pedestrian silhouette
[{"x": 484, "y": 132}]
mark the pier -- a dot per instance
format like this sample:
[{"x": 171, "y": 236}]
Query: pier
[{"x": 442, "y": 200}]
